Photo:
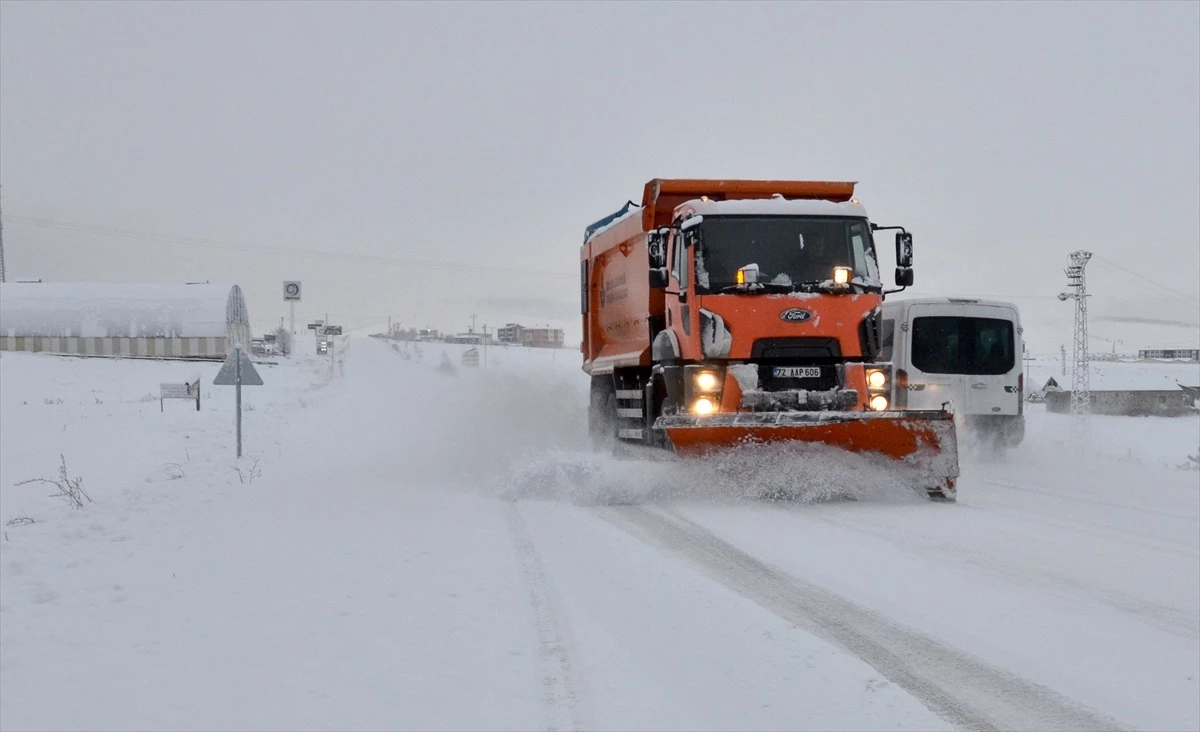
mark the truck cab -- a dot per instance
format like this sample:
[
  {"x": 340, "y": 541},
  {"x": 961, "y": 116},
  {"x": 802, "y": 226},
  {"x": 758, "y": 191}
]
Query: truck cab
[{"x": 778, "y": 299}]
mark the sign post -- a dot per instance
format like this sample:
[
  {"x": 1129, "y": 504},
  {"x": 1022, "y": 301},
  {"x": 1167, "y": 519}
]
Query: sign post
[
  {"x": 238, "y": 369},
  {"x": 291, "y": 295}
]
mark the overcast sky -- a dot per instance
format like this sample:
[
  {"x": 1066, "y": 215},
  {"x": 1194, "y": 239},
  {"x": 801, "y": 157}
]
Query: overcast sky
[{"x": 413, "y": 140}]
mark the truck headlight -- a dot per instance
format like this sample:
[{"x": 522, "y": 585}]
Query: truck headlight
[
  {"x": 702, "y": 387},
  {"x": 879, "y": 402},
  {"x": 876, "y": 379},
  {"x": 706, "y": 381},
  {"x": 841, "y": 275}
]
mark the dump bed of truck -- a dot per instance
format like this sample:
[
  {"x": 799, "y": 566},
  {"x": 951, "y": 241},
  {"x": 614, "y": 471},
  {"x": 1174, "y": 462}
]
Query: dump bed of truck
[{"x": 617, "y": 301}]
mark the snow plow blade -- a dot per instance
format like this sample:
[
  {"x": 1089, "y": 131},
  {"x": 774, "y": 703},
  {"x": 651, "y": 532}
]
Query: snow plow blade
[{"x": 925, "y": 440}]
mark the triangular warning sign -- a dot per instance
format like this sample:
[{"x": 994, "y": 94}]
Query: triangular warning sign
[{"x": 227, "y": 376}]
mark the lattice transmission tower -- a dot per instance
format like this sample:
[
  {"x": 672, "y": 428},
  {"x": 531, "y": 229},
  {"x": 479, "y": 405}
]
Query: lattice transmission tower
[
  {"x": 2, "y": 274},
  {"x": 1081, "y": 398}
]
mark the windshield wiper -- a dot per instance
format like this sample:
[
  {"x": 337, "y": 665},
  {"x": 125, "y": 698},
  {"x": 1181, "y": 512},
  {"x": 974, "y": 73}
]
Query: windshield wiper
[
  {"x": 829, "y": 286},
  {"x": 756, "y": 288}
]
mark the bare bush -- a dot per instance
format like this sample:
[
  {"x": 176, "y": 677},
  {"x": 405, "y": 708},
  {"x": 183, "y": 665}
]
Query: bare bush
[
  {"x": 447, "y": 366},
  {"x": 1192, "y": 462},
  {"x": 20, "y": 521},
  {"x": 247, "y": 474},
  {"x": 283, "y": 341},
  {"x": 67, "y": 488}
]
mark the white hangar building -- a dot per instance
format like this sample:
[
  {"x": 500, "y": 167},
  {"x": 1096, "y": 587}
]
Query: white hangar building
[{"x": 91, "y": 319}]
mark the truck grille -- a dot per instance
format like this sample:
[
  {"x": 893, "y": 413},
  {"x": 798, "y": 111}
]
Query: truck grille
[{"x": 770, "y": 352}]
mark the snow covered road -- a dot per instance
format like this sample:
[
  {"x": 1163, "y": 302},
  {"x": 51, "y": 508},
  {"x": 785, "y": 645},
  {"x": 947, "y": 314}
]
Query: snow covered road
[{"x": 420, "y": 549}]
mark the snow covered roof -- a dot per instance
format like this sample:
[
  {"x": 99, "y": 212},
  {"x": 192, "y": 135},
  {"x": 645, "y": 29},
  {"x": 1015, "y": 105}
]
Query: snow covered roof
[
  {"x": 120, "y": 310},
  {"x": 893, "y": 302},
  {"x": 1120, "y": 375},
  {"x": 778, "y": 207}
]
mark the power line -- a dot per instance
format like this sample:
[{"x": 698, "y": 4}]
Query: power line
[
  {"x": 976, "y": 295},
  {"x": 284, "y": 251},
  {"x": 1159, "y": 285}
]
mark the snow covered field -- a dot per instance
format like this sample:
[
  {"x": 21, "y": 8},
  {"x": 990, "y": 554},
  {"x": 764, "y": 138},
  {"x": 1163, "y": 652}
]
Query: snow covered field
[{"x": 403, "y": 548}]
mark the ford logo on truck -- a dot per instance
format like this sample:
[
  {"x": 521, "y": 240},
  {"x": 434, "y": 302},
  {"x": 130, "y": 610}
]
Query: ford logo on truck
[{"x": 795, "y": 315}]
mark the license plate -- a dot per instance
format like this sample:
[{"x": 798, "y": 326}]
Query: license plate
[{"x": 797, "y": 372}]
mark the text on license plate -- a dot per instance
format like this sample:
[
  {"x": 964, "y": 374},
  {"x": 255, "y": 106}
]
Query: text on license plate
[{"x": 797, "y": 372}]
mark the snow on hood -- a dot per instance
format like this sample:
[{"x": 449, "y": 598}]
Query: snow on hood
[{"x": 58, "y": 309}]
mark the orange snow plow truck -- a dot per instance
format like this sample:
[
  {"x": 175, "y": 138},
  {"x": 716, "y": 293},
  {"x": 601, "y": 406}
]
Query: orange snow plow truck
[{"x": 725, "y": 313}]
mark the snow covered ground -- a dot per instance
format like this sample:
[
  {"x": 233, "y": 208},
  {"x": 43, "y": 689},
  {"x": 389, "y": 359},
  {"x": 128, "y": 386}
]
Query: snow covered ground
[{"x": 405, "y": 547}]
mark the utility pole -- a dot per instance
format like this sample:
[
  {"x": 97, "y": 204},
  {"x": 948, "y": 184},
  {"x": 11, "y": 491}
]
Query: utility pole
[
  {"x": 3, "y": 278},
  {"x": 472, "y": 323},
  {"x": 1081, "y": 398}
]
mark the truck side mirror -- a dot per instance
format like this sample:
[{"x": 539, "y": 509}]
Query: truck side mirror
[
  {"x": 656, "y": 247},
  {"x": 904, "y": 250},
  {"x": 904, "y": 276},
  {"x": 658, "y": 278}
]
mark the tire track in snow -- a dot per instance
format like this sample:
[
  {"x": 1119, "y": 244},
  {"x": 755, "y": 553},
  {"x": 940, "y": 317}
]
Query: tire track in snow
[
  {"x": 1085, "y": 498},
  {"x": 962, "y": 689},
  {"x": 561, "y": 694},
  {"x": 1106, "y": 532},
  {"x": 1161, "y": 617}
]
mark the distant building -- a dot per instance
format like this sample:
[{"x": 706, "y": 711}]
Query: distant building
[
  {"x": 88, "y": 319},
  {"x": 510, "y": 333},
  {"x": 1190, "y": 354},
  {"x": 1192, "y": 394},
  {"x": 1132, "y": 389},
  {"x": 542, "y": 337}
]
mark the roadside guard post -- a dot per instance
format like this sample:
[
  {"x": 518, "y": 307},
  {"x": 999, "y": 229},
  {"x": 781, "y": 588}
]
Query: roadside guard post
[{"x": 237, "y": 370}]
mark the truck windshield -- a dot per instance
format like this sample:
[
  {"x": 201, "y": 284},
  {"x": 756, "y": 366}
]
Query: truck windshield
[{"x": 792, "y": 252}]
